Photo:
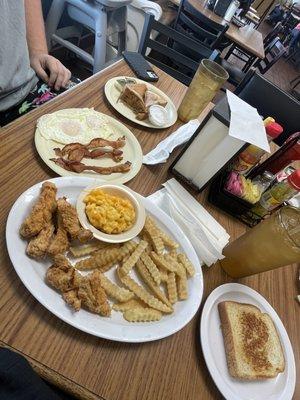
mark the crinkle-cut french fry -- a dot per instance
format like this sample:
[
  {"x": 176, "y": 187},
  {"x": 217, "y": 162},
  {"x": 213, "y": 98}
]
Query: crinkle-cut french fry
[
  {"x": 161, "y": 262},
  {"x": 182, "y": 258},
  {"x": 144, "y": 236},
  {"x": 178, "y": 268},
  {"x": 172, "y": 288},
  {"x": 173, "y": 254},
  {"x": 142, "y": 294},
  {"x": 142, "y": 315},
  {"x": 105, "y": 258},
  {"x": 163, "y": 276},
  {"x": 87, "y": 249},
  {"x": 151, "y": 267},
  {"x": 115, "y": 291},
  {"x": 182, "y": 286},
  {"x": 156, "y": 240},
  {"x": 128, "y": 305},
  {"x": 165, "y": 238},
  {"x": 131, "y": 261},
  {"x": 147, "y": 278}
]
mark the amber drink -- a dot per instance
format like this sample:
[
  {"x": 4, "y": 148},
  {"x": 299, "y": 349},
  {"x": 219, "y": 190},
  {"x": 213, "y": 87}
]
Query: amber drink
[
  {"x": 273, "y": 243},
  {"x": 207, "y": 80}
]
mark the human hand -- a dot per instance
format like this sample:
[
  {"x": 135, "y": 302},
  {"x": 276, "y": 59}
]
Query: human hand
[{"x": 59, "y": 74}]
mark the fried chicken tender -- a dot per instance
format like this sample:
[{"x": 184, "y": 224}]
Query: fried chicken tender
[
  {"x": 60, "y": 242},
  {"x": 71, "y": 221},
  {"x": 93, "y": 296},
  {"x": 62, "y": 275},
  {"x": 41, "y": 213},
  {"x": 37, "y": 247},
  {"x": 71, "y": 298}
]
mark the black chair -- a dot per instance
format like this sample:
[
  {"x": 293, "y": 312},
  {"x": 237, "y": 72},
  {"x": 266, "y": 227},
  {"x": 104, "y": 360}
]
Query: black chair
[
  {"x": 247, "y": 58},
  {"x": 172, "y": 61},
  {"x": 196, "y": 25},
  {"x": 273, "y": 52},
  {"x": 271, "y": 101}
]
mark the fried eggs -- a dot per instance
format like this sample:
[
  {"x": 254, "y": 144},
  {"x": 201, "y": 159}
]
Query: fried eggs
[{"x": 74, "y": 125}]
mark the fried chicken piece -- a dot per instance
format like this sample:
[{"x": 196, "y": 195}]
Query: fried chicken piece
[
  {"x": 71, "y": 222},
  {"x": 79, "y": 167},
  {"x": 41, "y": 213},
  {"x": 62, "y": 275},
  {"x": 93, "y": 296},
  {"x": 71, "y": 298},
  {"x": 60, "y": 242},
  {"x": 37, "y": 247}
]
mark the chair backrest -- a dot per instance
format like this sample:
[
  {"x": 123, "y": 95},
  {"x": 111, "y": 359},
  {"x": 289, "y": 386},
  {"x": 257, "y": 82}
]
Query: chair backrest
[
  {"x": 271, "y": 101},
  {"x": 278, "y": 28},
  {"x": 206, "y": 31},
  {"x": 273, "y": 52},
  {"x": 168, "y": 58}
]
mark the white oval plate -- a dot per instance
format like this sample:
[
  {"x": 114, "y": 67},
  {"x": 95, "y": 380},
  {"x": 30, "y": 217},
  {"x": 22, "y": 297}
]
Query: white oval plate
[
  {"x": 280, "y": 388},
  {"x": 112, "y": 94},
  {"x": 132, "y": 152},
  {"x": 32, "y": 274}
]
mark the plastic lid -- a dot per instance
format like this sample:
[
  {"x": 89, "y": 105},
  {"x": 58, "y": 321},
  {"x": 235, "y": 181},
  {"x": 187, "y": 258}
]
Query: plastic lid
[
  {"x": 294, "y": 179},
  {"x": 273, "y": 130}
]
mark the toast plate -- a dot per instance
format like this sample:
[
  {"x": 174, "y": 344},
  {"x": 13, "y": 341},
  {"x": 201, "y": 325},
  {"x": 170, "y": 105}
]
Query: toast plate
[
  {"x": 131, "y": 151},
  {"x": 280, "y": 388},
  {"x": 112, "y": 94},
  {"x": 32, "y": 273}
]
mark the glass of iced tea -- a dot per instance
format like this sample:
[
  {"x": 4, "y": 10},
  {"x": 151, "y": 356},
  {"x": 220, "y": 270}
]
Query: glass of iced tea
[
  {"x": 207, "y": 80},
  {"x": 273, "y": 243}
]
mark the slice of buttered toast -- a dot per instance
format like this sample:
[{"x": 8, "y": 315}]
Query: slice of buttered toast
[{"x": 252, "y": 346}]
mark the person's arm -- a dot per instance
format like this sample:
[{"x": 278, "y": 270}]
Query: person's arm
[{"x": 40, "y": 60}]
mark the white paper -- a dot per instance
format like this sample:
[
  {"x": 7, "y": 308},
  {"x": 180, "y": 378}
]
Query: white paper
[
  {"x": 206, "y": 235},
  {"x": 245, "y": 123},
  {"x": 162, "y": 151}
]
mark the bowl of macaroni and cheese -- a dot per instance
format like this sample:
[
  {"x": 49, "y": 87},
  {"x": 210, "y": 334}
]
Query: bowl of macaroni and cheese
[{"x": 114, "y": 213}]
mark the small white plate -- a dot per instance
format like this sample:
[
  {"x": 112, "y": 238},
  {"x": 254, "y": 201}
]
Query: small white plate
[
  {"x": 112, "y": 94},
  {"x": 32, "y": 273},
  {"x": 115, "y": 190},
  {"x": 280, "y": 388},
  {"x": 131, "y": 152}
]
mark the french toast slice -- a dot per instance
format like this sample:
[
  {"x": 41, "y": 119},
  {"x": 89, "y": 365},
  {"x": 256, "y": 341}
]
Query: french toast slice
[{"x": 252, "y": 345}]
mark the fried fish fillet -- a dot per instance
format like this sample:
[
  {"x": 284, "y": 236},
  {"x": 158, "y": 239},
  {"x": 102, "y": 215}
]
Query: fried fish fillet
[
  {"x": 41, "y": 213},
  {"x": 93, "y": 296},
  {"x": 71, "y": 222},
  {"x": 71, "y": 298},
  {"x": 60, "y": 242},
  {"x": 37, "y": 247}
]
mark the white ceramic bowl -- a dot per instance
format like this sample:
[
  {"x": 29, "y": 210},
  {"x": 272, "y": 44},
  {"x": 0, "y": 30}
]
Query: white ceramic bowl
[{"x": 117, "y": 190}]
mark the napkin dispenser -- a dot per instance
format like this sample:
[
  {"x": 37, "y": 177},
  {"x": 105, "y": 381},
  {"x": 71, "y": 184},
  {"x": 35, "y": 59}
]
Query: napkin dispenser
[{"x": 209, "y": 150}]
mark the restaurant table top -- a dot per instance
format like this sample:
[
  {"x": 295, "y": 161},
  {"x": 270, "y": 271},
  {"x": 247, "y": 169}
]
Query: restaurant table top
[{"x": 94, "y": 368}]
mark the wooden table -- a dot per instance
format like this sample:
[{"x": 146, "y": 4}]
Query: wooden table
[
  {"x": 251, "y": 41},
  {"x": 168, "y": 369}
]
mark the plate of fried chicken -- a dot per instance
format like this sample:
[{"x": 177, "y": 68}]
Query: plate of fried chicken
[
  {"x": 133, "y": 98},
  {"x": 83, "y": 281},
  {"x": 64, "y": 144}
]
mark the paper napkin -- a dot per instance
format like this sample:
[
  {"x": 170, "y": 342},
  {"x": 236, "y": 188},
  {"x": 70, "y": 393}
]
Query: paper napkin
[
  {"x": 162, "y": 151},
  {"x": 206, "y": 235}
]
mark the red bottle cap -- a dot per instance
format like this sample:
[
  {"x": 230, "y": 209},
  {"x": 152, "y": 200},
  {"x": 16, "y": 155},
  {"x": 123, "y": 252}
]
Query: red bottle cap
[
  {"x": 274, "y": 130},
  {"x": 294, "y": 179}
]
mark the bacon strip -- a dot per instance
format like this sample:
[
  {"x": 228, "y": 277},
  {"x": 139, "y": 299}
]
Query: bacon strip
[
  {"x": 78, "y": 167},
  {"x": 99, "y": 142}
]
